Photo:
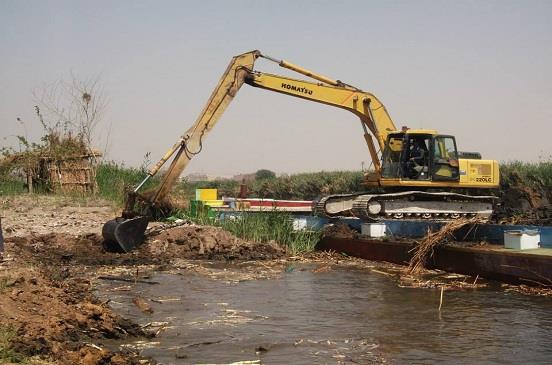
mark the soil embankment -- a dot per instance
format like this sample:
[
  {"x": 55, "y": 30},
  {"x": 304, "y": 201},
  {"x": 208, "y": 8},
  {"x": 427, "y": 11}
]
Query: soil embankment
[{"x": 48, "y": 312}]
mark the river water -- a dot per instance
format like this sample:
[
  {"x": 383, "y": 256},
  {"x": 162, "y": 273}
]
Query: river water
[{"x": 341, "y": 316}]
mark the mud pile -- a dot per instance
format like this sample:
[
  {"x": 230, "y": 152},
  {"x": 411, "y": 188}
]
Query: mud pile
[
  {"x": 193, "y": 241},
  {"x": 339, "y": 230},
  {"x": 46, "y": 299},
  {"x": 186, "y": 242},
  {"x": 51, "y": 314},
  {"x": 524, "y": 201}
]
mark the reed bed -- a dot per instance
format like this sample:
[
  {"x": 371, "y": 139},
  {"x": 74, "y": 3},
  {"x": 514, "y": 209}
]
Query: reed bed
[
  {"x": 269, "y": 226},
  {"x": 303, "y": 186},
  {"x": 113, "y": 179},
  {"x": 531, "y": 173},
  {"x": 11, "y": 186}
]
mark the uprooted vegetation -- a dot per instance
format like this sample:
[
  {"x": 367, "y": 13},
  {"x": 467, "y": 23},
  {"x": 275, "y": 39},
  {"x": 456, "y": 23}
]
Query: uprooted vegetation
[{"x": 425, "y": 248}]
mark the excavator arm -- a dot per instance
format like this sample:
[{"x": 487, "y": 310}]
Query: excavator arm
[
  {"x": 127, "y": 231},
  {"x": 191, "y": 143},
  {"x": 372, "y": 113}
]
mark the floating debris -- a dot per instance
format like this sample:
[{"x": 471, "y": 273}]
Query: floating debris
[
  {"x": 424, "y": 249},
  {"x": 142, "y": 305}
]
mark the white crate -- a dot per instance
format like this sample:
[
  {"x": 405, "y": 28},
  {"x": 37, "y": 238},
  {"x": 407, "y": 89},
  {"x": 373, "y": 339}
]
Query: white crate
[
  {"x": 521, "y": 240},
  {"x": 373, "y": 229}
]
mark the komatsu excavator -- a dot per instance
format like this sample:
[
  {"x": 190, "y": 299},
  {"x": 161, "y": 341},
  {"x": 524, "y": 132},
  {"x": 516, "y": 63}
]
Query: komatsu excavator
[{"x": 417, "y": 173}]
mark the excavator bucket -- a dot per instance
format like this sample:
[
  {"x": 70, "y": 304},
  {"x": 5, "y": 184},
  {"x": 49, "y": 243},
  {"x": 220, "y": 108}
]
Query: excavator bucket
[{"x": 124, "y": 235}]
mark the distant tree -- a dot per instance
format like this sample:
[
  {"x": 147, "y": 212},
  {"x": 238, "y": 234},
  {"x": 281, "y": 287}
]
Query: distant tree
[
  {"x": 73, "y": 107},
  {"x": 264, "y": 174}
]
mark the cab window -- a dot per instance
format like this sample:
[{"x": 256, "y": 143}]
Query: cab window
[
  {"x": 391, "y": 158},
  {"x": 445, "y": 159},
  {"x": 445, "y": 148}
]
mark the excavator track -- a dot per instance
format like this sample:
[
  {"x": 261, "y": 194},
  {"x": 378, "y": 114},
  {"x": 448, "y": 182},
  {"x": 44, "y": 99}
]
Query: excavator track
[
  {"x": 409, "y": 205},
  {"x": 333, "y": 206}
]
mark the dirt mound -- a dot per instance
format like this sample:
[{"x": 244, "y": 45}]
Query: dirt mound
[
  {"x": 339, "y": 230},
  {"x": 160, "y": 248},
  {"x": 62, "y": 250},
  {"x": 54, "y": 317},
  {"x": 523, "y": 201},
  {"x": 207, "y": 242},
  {"x": 46, "y": 298}
]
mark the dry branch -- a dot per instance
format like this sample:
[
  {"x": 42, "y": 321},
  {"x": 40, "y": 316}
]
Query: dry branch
[{"x": 424, "y": 249}]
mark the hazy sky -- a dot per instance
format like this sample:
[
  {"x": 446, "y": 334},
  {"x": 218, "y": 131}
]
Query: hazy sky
[{"x": 480, "y": 70}]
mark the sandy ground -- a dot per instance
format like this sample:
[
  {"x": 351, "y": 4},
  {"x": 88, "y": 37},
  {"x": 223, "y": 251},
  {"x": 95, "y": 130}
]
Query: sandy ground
[{"x": 39, "y": 214}]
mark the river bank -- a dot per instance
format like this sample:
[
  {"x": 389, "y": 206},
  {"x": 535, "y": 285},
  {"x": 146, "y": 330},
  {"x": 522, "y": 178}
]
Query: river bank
[
  {"x": 65, "y": 299},
  {"x": 52, "y": 261}
]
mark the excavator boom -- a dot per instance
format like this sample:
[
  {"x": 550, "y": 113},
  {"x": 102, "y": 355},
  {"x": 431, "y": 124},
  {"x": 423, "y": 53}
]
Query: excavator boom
[
  {"x": 127, "y": 232},
  {"x": 191, "y": 142}
]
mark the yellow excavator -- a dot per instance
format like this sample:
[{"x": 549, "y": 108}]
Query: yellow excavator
[{"x": 417, "y": 173}]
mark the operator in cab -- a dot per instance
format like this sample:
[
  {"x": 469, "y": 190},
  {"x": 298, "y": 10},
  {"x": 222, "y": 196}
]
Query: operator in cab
[{"x": 417, "y": 159}]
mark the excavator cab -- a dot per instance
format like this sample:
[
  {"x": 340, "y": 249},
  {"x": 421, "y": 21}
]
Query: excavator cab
[
  {"x": 445, "y": 165},
  {"x": 420, "y": 156}
]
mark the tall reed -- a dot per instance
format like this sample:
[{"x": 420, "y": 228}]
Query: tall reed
[
  {"x": 113, "y": 179},
  {"x": 267, "y": 226}
]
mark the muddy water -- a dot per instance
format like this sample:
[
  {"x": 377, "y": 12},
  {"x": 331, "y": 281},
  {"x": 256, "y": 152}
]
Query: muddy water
[{"x": 339, "y": 316}]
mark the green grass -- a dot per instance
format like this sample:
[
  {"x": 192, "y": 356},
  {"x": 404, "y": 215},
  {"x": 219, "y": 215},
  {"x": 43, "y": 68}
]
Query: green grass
[
  {"x": 6, "y": 352},
  {"x": 532, "y": 172},
  {"x": 271, "y": 226},
  {"x": 11, "y": 186},
  {"x": 301, "y": 186},
  {"x": 113, "y": 179}
]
